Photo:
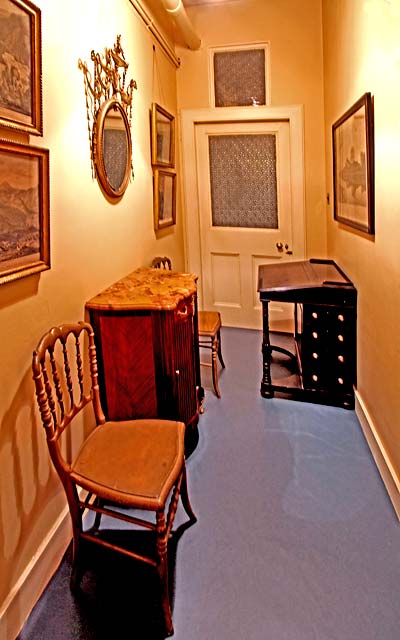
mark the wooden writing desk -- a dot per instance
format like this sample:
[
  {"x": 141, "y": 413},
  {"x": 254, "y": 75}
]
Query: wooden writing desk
[{"x": 324, "y": 340}]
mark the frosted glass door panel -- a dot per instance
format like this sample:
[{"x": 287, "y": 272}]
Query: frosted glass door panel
[{"x": 243, "y": 181}]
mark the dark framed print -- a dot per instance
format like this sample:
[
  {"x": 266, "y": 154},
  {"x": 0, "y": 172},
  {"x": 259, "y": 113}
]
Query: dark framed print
[
  {"x": 24, "y": 210},
  {"x": 162, "y": 137},
  {"x": 353, "y": 166},
  {"x": 164, "y": 198},
  {"x": 21, "y": 66}
]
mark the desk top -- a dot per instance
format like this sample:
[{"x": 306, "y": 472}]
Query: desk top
[
  {"x": 290, "y": 278},
  {"x": 146, "y": 288},
  {"x": 295, "y": 275}
]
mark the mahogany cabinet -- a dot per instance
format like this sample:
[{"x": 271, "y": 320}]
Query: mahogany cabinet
[{"x": 147, "y": 343}]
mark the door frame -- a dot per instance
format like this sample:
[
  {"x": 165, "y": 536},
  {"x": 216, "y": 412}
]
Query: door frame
[{"x": 189, "y": 119}]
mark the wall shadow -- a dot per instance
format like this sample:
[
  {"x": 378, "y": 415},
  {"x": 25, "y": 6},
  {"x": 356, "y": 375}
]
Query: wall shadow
[{"x": 28, "y": 485}]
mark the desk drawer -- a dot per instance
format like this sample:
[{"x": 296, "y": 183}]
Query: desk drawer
[{"x": 328, "y": 347}]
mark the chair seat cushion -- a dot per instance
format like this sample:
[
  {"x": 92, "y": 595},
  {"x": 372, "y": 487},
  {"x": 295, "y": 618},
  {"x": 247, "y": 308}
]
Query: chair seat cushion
[
  {"x": 133, "y": 462},
  {"x": 209, "y": 323}
]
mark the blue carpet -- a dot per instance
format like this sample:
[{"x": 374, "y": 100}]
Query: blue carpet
[{"x": 296, "y": 538}]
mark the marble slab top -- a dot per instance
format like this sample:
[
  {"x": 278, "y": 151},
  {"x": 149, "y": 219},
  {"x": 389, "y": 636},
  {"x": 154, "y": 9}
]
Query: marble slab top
[{"x": 146, "y": 288}]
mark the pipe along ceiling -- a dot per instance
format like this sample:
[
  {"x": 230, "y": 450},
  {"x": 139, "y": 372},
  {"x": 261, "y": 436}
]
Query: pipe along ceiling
[{"x": 177, "y": 13}]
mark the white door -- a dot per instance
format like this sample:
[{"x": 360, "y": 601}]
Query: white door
[{"x": 245, "y": 204}]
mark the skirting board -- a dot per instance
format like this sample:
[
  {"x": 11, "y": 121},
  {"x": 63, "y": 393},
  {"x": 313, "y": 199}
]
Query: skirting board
[
  {"x": 382, "y": 460},
  {"x": 33, "y": 581}
]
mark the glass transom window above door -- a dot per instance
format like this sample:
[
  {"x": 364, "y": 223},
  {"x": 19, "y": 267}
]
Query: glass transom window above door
[
  {"x": 243, "y": 180},
  {"x": 239, "y": 75}
]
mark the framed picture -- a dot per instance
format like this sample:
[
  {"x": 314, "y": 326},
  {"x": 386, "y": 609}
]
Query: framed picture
[
  {"x": 353, "y": 166},
  {"x": 162, "y": 137},
  {"x": 21, "y": 66},
  {"x": 164, "y": 198},
  {"x": 24, "y": 211}
]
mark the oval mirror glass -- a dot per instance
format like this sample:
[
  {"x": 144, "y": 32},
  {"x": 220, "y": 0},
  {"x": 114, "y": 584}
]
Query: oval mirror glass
[{"x": 112, "y": 148}]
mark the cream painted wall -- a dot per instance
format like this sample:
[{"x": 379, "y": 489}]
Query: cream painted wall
[
  {"x": 362, "y": 53},
  {"x": 93, "y": 243},
  {"x": 294, "y": 31}
]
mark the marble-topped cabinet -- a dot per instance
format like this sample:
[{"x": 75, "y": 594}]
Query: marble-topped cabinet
[{"x": 147, "y": 342}]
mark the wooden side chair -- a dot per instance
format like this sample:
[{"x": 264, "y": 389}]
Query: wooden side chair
[
  {"x": 210, "y": 338},
  {"x": 162, "y": 263},
  {"x": 136, "y": 464},
  {"x": 209, "y": 330}
]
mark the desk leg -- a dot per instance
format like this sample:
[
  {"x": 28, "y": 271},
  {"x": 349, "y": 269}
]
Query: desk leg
[{"x": 266, "y": 391}]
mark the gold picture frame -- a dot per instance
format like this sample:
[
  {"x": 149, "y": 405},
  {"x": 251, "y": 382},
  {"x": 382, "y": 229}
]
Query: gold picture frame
[
  {"x": 164, "y": 198},
  {"x": 162, "y": 137},
  {"x": 21, "y": 82},
  {"x": 353, "y": 166},
  {"x": 24, "y": 210}
]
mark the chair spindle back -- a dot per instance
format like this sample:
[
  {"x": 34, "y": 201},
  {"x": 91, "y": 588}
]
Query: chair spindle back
[
  {"x": 65, "y": 383},
  {"x": 162, "y": 263}
]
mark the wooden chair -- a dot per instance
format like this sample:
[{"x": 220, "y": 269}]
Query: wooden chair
[
  {"x": 134, "y": 464},
  {"x": 209, "y": 323},
  {"x": 162, "y": 263},
  {"x": 210, "y": 338}
]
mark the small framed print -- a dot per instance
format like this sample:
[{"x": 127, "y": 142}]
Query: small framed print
[
  {"x": 24, "y": 211},
  {"x": 21, "y": 66},
  {"x": 353, "y": 166},
  {"x": 164, "y": 198},
  {"x": 162, "y": 137}
]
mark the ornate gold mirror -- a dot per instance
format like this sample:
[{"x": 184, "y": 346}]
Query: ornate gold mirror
[
  {"x": 112, "y": 148},
  {"x": 109, "y": 115}
]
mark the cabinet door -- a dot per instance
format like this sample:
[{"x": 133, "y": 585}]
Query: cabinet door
[
  {"x": 185, "y": 361},
  {"x": 126, "y": 363}
]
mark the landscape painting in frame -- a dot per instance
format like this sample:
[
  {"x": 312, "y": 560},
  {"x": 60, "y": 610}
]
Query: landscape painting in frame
[
  {"x": 162, "y": 136},
  {"x": 353, "y": 166},
  {"x": 24, "y": 211},
  {"x": 20, "y": 66},
  {"x": 164, "y": 198}
]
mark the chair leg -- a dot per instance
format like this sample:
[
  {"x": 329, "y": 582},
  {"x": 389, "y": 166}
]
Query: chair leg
[
  {"x": 185, "y": 497},
  {"x": 162, "y": 568},
  {"x": 97, "y": 518},
  {"x": 76, "y": 517},
  {"x": 76, "y": 571},
  {"x": 215, "y": 350},
  {"x": 219, "y": 350}
]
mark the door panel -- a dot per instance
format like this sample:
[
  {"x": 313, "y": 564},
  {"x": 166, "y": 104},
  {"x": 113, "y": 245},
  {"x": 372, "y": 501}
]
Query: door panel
[{"x": 225, "y": 279}]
